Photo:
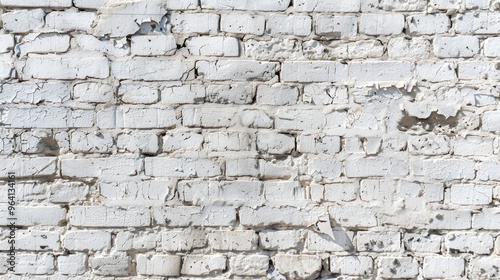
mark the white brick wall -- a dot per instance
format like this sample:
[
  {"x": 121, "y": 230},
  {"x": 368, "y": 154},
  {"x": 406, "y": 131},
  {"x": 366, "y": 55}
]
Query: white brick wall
[{"x": 231, "y": 139}]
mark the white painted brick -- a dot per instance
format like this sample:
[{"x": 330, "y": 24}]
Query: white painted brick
[
  {"x": 203, "y": 264},
  {"x": 182, "y": 5},
  {"x": 469, "y": 242},
  {"x": 488, "y": 218},
  {"x": 37, "y": 264},
  {"x": 153, "y": 45},
  {"x": 181, "y": 167},
  {"x": 194, "y": 23},
  {"x": 26, "y": 191},
  {"x": 324, "y": 94},
  {"x": 443, "y": 267},
  {"x": 39, "y": 215},
  {"x": 136, "y": 117},
  {"x": 34, "y": 93},
  {"x": 277, "y": 94},
  {"x": 381, "y": 24},
  {"x": 185, "y": 94},
  {"x": 92, "y": 240},
  {"x": 298, "y": 25},
  {"x": 458, "y": 46},
  {"x": 93, "y": 92},
  {"x": 66, "y": 67},
  {"x": 237, "y": 70},
  {"x": 139, "y": 241},
  {"x": 336, "y": 26},
  {"x": 480, "y": 23},
  {"x": 378, "y": 241},
  {"x": 340, "y": 192},
  {"x": 229, "y": 94},
  {"x": 211, "y": 117},
  {"x": 449, "y": 169},
  {"x": 490, "y": 47},
  {"x": 6, "y": 43},
  {"x": 425, "y": 24},
  {"x": 233, "y": 240},
  {"x": 160, "y": 265},
  {"x": 112, "y": 47},
  {"x": 285, "y": 215},
  {"x": 138, "y": 142},
  {"x": 484, "y": 267},
  {"x": 413, "y": 48},
  {"x": 138, "y": 93},
  {"x": 488, "y": 170},
  {"x": 380, "y": 71},
  {"x": 23, "y": 21},
  {"x": 491, "y": 121},
  {"x": 29, "y": 167},
  {"x": 34, "y": 240},
  {"x": 477, "y": 4},
  {"x": 478, "y": 70},
  {"x": 326, "y": 6},
  {"x": 279, "y": 240},
  {"x": 255, "y": 119},
  {"x": 6, "y": 66},
  {"x": 298, "y": 266},
  {"x": 271, "y": 5},
  {"x": 429, "y": 192},
  {"x": 313, "y": 71},
  {"x": 182, "y": 140},
  {"x": 365, "y": 167},
  {"x": 48, "y": 117},
  {"x": 95, "y": 167},
  {"x": 183, "y": 240},
  {"x": 429, "y": 144},
  {"x": 353, "y": 216},
  {"x": 397, "y": 267},
  {"x": 275, "y": 143},
  {"x": 284, "y": 191},
  {"x": 43, "y": 43},
  {"x": 322, "y": 242},
  {"x": 446, "y": 4},
  {"x": 299, "y": 119},
  {"x": 423, "y": 244},
  {"x": 249, "y": 265},
  {"x": 100, "y": 216},
  {"x": 473, "y": 146},
  {"x": 201, "y": 192},
  {"x": 41, "y": 4},
  {"x": 91, "y": 142},
  {"x": 376, "y": 190},
  {"x": 70, "y": 21},
  {"x": 89, "y": 4},
  {"x": 150, "y": 69},
  {"x": 242, "y": 23},
  {"x": 213, "y": 46},
  {"x": 435, "y": 71},
  {"x": 316, "y": 144},
  {"x": 111, "y": 265},
  {"x": 273, "y": 49},
  {"x": 397, "y": 6},
  {"x": 228, "y": 141},
  {"x": 72, "y": 264},
  {"x": 183, "y": 216},
  {"x": 324, "y": 168},
  {"x": 127, "y": 192},
  {"x": 351, "y": 265}
]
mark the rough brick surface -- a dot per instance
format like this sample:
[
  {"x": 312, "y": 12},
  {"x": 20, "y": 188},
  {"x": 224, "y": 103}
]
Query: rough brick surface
[{"x": 240, "y": 139}]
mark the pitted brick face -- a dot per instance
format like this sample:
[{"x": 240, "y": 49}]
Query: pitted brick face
[{"x": 231, "y": 139}]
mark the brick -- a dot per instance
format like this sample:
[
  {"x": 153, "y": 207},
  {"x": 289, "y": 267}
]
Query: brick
[
  {"x": 93, "y": 92},
  {"x": 181, "y": 167},
  {"x": 183, "y": 5},
  {"x": 449, "y": 219},
  {"x": 255, "y": 119},
  {"x": 274, "y": 143},
  {"x": 372, "y": 190},
  {"x": 298, "y": 25},
  {"x": 150, "y": 69},
  {"x": 136, "y": 117},
  {"x": 273, "y": 49},
  {"x": 484, "y": 267},
  {"x": 211, "y": 117},
  {"x": 435, "y": 71},
  {"x": 356, "y": 216},
  {"x": 322, "y": 242},
  {"x": 413, "y": 48},
  {"x": 446, "y": 4},
  {"x": 136, "y": 142},
  {"x": 184, "y": 216},
  {"x": 213, "y": 46},
  {"x": 138, "y": 93},
  {"x": 6, "y": 43},
  {"x": 39, "y": 215},
  {"x": 158, "y": 265},
  {"x": 490, "y": 47},
  {"x": 381, "y": 24},
  {"x": 43, "y": 43},
  {"x": 488, "y": 170},
  {"x": 351, "y": 265},
  {"x": 279, "y": 240},
  {"x": 153, "y": 45},
  {"x": 113, "y": 47},
  {"x": 478, "y": 70},
  {"x": 94, "y": 142},
  {"x": 468, "y": 242},
  {"x": 89, "y": 4},
  {"x": 380, "y": 71},
  {"x": 277, "y": 94},
  {"x": 397, "y": 267},
  {"x": 127, "y": 192},
  {"x": 340, "y": 192},
  {"x": 336, "y": 26},
  {"x": 237, "y": 70},
  {"x": 228, "y": 141},
  {"x": 443, "y": 267},
  {"x": 6, "y": 67},
  {"x": 182, "y": 141},
  {"x": 68, "y": 192},
  {"x": 299, "y": 119},
  {"x": 422, "y": 243},
  {"x": 41, "y": 4},
  {"x": 378, "y": 242},
  {"x": 100, "y": 216},
  {"x": 197, "y": 192},
  {"x": 140, "y": 241},
  {"x": 298, "y": 266},
  {"x": 186, "y": 94},
  {"x": 98, "y": 166},
  {"x": 242, "y": 24},
  {"x": 111, "y": 265},
  {"x": 326, "y": 6},
  {"x": 65, "y": 67},
  {"x": 284, "y": 191},
  {"x": 48, "y": 117},
  {"x": 403, "y": 6},
  {"x": 203, "y": 264},
  {"x": 72, "y": 264},
  {"x": 480, "y": 23},
  {"x": 194, "y": 23},
  {"x": 229, "y": 94},
  {"x": 29, "y": 167},
  {"x": 233, "y": 240},
  {"x": 183, "y": 240},
  {"x": 426, "y": 24},
  {"x": 23, "y": 21},
  {"x": 268, "y": 6},
  {"x": 92, "y": 240},
  {"x": 365, "y": 167},
  {"x": 35, "y": 264},
  {"x": 488, "y": 218},
  {"x": 324, "y": 94},
  {"x": 70, "y": 21},
  {"x": 458, "y": 46},
  {"x": 314, "y": 71},
  {"x": 285, "y": 215},
  {"x": 324, "y": 168},
  {"x": 471, "y": 194},
  {"x": 429, "y": 145},
  {"x": 249, "y": 265},
  {"x": 34, "y": 240},
  {"x": 450, "y": 169}
]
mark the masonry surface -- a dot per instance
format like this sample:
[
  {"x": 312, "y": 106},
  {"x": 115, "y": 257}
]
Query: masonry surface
[{"x": 239, "y": 139}]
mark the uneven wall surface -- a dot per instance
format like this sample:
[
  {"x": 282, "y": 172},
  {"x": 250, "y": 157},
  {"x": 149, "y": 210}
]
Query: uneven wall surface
[{"x": 231, "y": 139}]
